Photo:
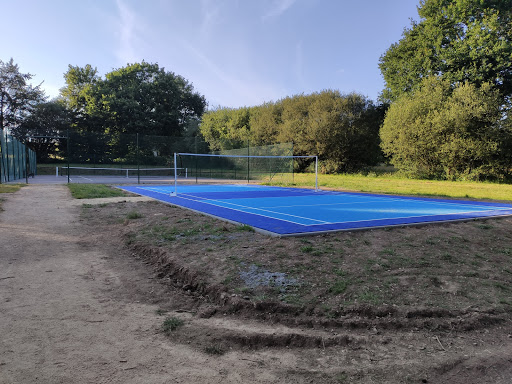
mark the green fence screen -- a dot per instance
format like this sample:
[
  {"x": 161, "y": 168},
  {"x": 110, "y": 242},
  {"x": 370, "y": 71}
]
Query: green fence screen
[{"x": 17, "y": 161}]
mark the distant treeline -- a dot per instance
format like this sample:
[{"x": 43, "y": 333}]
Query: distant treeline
[
  {"x": 448, "y": 86},
  {"x": 343, "y": 130}
]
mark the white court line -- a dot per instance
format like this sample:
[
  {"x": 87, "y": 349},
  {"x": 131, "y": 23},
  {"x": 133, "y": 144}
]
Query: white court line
[
  {"x": 82, "y": 177},
  {"x": 319, "y": 205},
  {"x": 351, "y": 221},
  {"x": 482, "y": 208},
  {"x": 426, "y": 200},
  {"x": 321, "y": 222},
  {"x": 208, "y": 201},
  {"x": 410, "y": 217},
  {"x": 153, "y": 189},
  {"x": 359, "y": 196}
]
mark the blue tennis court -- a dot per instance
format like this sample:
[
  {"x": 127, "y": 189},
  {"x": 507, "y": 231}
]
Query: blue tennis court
[{"x": 294, "y": 211}]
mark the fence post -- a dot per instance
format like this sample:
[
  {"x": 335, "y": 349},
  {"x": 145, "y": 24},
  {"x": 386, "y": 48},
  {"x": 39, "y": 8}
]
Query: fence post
[
  {"x": 293, "y": 167},
  {"x": 248, "y": 166},
  {"x": 1, "y": 156},
  {"x": 26, "y": 163},
  {"x": 68, "y": 148},
  {"x": 8, "y": 165}
]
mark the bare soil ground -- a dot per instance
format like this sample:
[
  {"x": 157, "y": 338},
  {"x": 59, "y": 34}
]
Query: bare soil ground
[{"x": 87, "y": 289}]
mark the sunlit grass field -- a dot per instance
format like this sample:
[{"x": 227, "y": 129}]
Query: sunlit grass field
[
  {"x": 393, "y": 184},
  {"x": 94, "y": 191},
  {"x": 10, "y": 188}
]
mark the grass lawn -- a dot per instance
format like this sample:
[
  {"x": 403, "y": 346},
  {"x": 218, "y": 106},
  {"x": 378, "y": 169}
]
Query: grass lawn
[
  {"x": 10, "y": 188},
  {"x": 94, "y": 191},
  {"x": 401, "y": 186},
  {"x": 386, "y": 184}
]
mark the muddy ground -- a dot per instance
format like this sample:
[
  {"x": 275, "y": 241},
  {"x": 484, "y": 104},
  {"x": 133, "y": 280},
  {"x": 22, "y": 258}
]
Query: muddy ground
[{"x": 131, "y": 291}]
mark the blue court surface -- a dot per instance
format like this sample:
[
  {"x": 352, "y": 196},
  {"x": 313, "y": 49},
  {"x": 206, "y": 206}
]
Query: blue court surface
[{"x": 293, "y": 211}]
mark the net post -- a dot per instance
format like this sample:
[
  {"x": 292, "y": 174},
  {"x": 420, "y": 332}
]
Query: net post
[
  {"x": 26, "y": 163},
  {"x": 175, "y": 193},
  {"x": 68, "y": 154},
  {"x": 1, "y": 158},
  {"x": 138, "y": 160},
  {"x": 293, "y": 169},
  {"x": 248, "y": 162},
  {"x": 316, "y": 174}
]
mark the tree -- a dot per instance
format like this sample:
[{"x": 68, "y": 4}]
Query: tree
[
  {"x": 460, "y": 40},
  {"x": 343, "y": 130},
  {"x": 44, "y": 127},
  {"x": 17, "y": 96},
  {"x": 79, "y": 97},
  {"x": 145, "y": 98},
  {"x": 446, "y": 132},
  {"x": 79, "y": 83},
  {"x": 226, "y": 128},
  {"x": 265, "y": 123},
  {"x": 139, "y": 98}
]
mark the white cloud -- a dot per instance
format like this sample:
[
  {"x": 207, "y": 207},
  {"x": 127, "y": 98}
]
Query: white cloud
[
  {"x": 210, "y": 12},
  {"x": 128, "y": 32},
  {"x": 277, "y": 8}
]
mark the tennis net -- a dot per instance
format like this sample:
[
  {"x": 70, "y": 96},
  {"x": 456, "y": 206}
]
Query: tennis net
[{"x": 122, "y": 172}]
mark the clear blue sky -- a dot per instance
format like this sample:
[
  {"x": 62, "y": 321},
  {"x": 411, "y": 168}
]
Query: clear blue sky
[{"x": 235, "y": 52}]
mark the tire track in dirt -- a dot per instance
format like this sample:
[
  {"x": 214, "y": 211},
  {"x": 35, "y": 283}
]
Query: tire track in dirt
[
  {"x": 76, "y": 306},
  {"x": 59, "y": 324}
]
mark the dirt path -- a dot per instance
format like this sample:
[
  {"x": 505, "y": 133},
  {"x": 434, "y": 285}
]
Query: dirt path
[
  {"x": 62, "y": 322},
  {"x": 77, "y": 307}
]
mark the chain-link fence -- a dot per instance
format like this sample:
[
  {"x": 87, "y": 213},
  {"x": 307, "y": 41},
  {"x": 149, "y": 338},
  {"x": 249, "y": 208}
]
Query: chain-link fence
[
  {"x": 100, "y": 157},
  {"x": 136, "y": 158},
  {"x": 17, "y": 161}
]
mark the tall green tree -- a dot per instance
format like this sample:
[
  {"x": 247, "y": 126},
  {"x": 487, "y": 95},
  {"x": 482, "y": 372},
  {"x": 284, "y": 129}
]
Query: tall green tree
[
  {"x": 460, "y": 40},
  {"x": 145, "y": 98},
  {"x": 79, "y": 86},
  {"x": 446, "y": 132},
  {"x": 79, "y": 96},
  {"x": 17, "y": 96},
  {"x": 44, "y": 129},
  {"x": 139, "y": 98}
]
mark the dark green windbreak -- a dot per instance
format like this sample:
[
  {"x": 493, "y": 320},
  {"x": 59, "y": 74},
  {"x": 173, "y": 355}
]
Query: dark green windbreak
[{"x": 15, "y": 159}]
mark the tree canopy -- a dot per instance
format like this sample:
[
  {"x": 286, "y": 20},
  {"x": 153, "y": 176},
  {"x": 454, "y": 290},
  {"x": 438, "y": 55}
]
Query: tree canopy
[
  {"x": 17, "y": 96},
  {"x": 45, "y": 125},
  {"x": 442, "y": 132},
  {"x": 343, "y": 130},
  {"x": 450, "y": 83},
  {"x": 460, "y": 40},
  {"x": 140, "y": 97}
]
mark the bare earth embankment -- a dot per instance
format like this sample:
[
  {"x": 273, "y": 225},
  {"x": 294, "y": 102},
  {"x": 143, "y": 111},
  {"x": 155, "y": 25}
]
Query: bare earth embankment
[{"x": 133, "y": 291}]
